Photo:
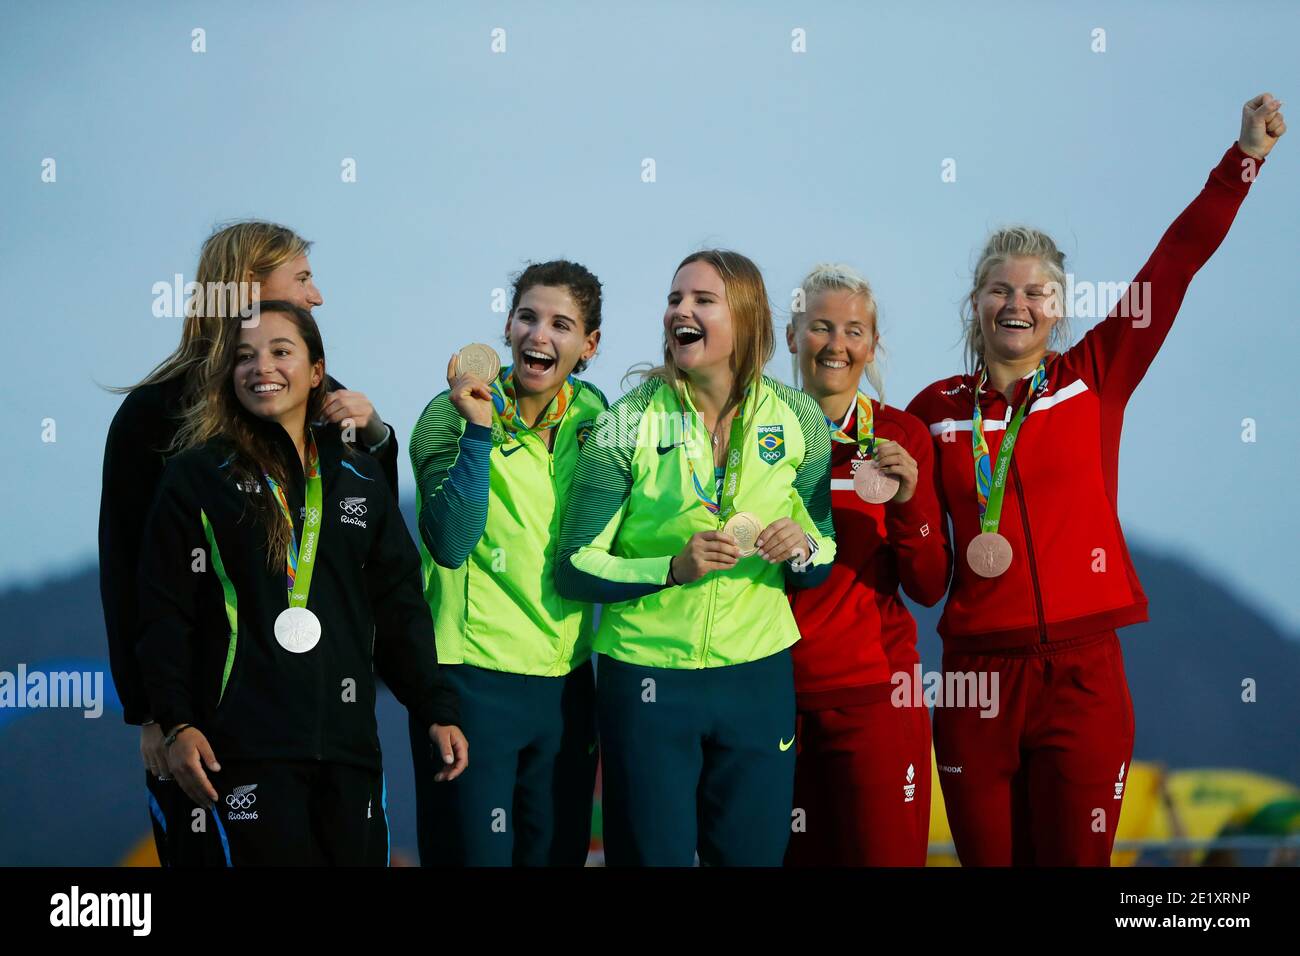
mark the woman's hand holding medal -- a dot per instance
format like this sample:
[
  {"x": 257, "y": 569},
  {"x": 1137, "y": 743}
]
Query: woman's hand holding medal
[
  {"x": 470, "y": 392},
  {"x": 892, "y": 459},
  {"x": 782, "y": 540},
  {"x": 705, "y": 551}
]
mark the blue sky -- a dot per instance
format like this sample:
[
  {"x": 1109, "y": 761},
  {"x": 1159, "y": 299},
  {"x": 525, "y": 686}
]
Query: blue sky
[{"x": 471, "y": 162}]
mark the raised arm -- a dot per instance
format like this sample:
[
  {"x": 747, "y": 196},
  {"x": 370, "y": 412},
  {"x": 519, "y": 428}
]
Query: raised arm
[{"x": 1118, "y": 351}]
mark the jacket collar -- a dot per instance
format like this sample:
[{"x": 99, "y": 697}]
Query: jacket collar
[{"x": 329, "y": 443}]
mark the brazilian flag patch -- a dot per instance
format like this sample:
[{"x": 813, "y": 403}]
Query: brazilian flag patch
[
  {"x": 771, "y": 443},
  {"x": 584, "y": 429}
]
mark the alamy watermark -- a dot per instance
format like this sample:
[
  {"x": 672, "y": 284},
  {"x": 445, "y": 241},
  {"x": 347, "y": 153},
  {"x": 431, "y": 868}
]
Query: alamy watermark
[
  {"x": 77, "y": 690},
  {"x": 1095, "y": 300},
  {"x": 947, "y": 689},
  {"x": 218, "y": 300}
]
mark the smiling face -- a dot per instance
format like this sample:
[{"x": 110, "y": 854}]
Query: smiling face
[
  {"x": 834, "y": 340},
  {"x": 291, "y": 281},
  {"x": 547, "y": 337},
  {"x": 274, "y": 374},
  {"x": 698, "y": 322},
  {"x": 1017, "y": 308}
]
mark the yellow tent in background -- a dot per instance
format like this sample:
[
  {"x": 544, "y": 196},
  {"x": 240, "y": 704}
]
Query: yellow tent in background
[{"x": 1198, "y": 804}]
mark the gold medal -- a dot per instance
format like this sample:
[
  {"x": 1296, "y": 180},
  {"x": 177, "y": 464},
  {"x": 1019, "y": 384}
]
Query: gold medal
[
  {"x": 478, "y": 360},
  {"x": 745, "y": 528}
]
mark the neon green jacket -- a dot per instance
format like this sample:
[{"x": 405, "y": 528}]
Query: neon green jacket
[
  {"x": 633, "y": 506},
  {"x": 489, "y": 513}
]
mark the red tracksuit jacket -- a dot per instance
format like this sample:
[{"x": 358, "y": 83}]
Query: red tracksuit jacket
[
  {"x": 1071, "y": 573},
  {"x": 855, "y": 630}
]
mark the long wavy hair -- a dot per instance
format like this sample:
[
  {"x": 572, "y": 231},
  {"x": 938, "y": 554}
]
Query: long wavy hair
[
  {"x": 215, "y": 412},
  {"x": 752, "y": 336},
  {"x": 235, "y": 253}
]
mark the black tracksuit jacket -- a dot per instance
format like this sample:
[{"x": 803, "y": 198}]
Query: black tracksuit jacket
[
  {"x": 251, "y": 698},
  {"x": 143, "y": 427}
]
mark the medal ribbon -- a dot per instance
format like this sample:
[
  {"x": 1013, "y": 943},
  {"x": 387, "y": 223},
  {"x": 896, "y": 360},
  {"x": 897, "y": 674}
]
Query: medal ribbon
[
  {"x": 300, "y": 561},
  {"x": 990, "y": 486},
  {"x": 507, "y": 408},
  {"x": 866, "y": 433},
  {"x": 725, "y": 504}
]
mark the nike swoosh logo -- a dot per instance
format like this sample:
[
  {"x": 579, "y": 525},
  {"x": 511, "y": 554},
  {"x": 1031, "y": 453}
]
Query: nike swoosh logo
[
  {"x": 592, "y": 748},
  {"x": 663, "y": 451},
  {"x": 786, "y": 746},
  {"x": 507, "y": 454}
]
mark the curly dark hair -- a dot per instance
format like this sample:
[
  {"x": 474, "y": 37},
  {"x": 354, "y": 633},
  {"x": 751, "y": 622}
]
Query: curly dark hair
[{"x": 581, "y": 283}]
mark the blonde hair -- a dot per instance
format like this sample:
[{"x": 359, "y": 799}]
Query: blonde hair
[
  {"x": 753, "y": 340},
  {"x": 1013, "y": 242},
  {"x": 838, "y": 277},
  {"x": 230, "y": 256}
]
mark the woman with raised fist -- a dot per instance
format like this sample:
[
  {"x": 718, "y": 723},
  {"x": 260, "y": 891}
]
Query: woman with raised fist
[
  {"x": 494, "y": 456},
  {"x": 698, "y": 498},
  {"x": 862, "y": 775},
  {"x": 1027, "y": 445}
]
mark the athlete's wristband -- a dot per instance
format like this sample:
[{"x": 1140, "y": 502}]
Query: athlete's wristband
[
  {"x": 672, "y": 578},
  {"x": 171, "y": 738}
]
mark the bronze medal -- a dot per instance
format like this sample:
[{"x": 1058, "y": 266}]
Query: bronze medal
[
  {"x": 989, "y": 554},
  {"x": 873, "y": 485}
]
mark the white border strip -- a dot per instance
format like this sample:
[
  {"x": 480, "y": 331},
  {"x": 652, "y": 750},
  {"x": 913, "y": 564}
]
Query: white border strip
[{"x": 1077, "y": 387}]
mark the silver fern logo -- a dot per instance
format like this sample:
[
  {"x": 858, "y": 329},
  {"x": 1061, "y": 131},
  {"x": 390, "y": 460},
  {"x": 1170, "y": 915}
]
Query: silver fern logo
[
  {"x": 241, "y": 799},
  {"x": 353, "y": 509}
]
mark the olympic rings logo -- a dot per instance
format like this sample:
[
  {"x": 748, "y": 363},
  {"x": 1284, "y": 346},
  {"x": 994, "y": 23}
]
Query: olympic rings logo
[
  {"x": 241, "y": 798},
  {"x": 355, "y": 507}
]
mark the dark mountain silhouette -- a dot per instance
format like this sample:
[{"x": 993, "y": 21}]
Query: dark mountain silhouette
[{"x": 72, "y": 788}]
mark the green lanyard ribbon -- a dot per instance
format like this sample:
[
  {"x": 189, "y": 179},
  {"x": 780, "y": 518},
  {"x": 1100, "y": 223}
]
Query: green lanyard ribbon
[
  {"x": 301, "y": 561},
  {"x": 725, "y": 505},
  {"x": 866, "y": 430},
  {"x": 991, "y": 485}
]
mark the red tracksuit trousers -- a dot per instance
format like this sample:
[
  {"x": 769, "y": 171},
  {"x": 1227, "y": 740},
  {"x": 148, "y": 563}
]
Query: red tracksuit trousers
[
  {"x": 862, "y": 780},
  {"x": 1042, "y": 782}
]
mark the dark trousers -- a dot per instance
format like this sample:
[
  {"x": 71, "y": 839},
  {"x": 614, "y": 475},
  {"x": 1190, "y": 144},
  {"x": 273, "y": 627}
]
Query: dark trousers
[
  {"x": 287, "y": 813},
  {"x": 697, "y": 760},
  {"x": 164, "y": 797},
  {"x": 525, "y": 799}
]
